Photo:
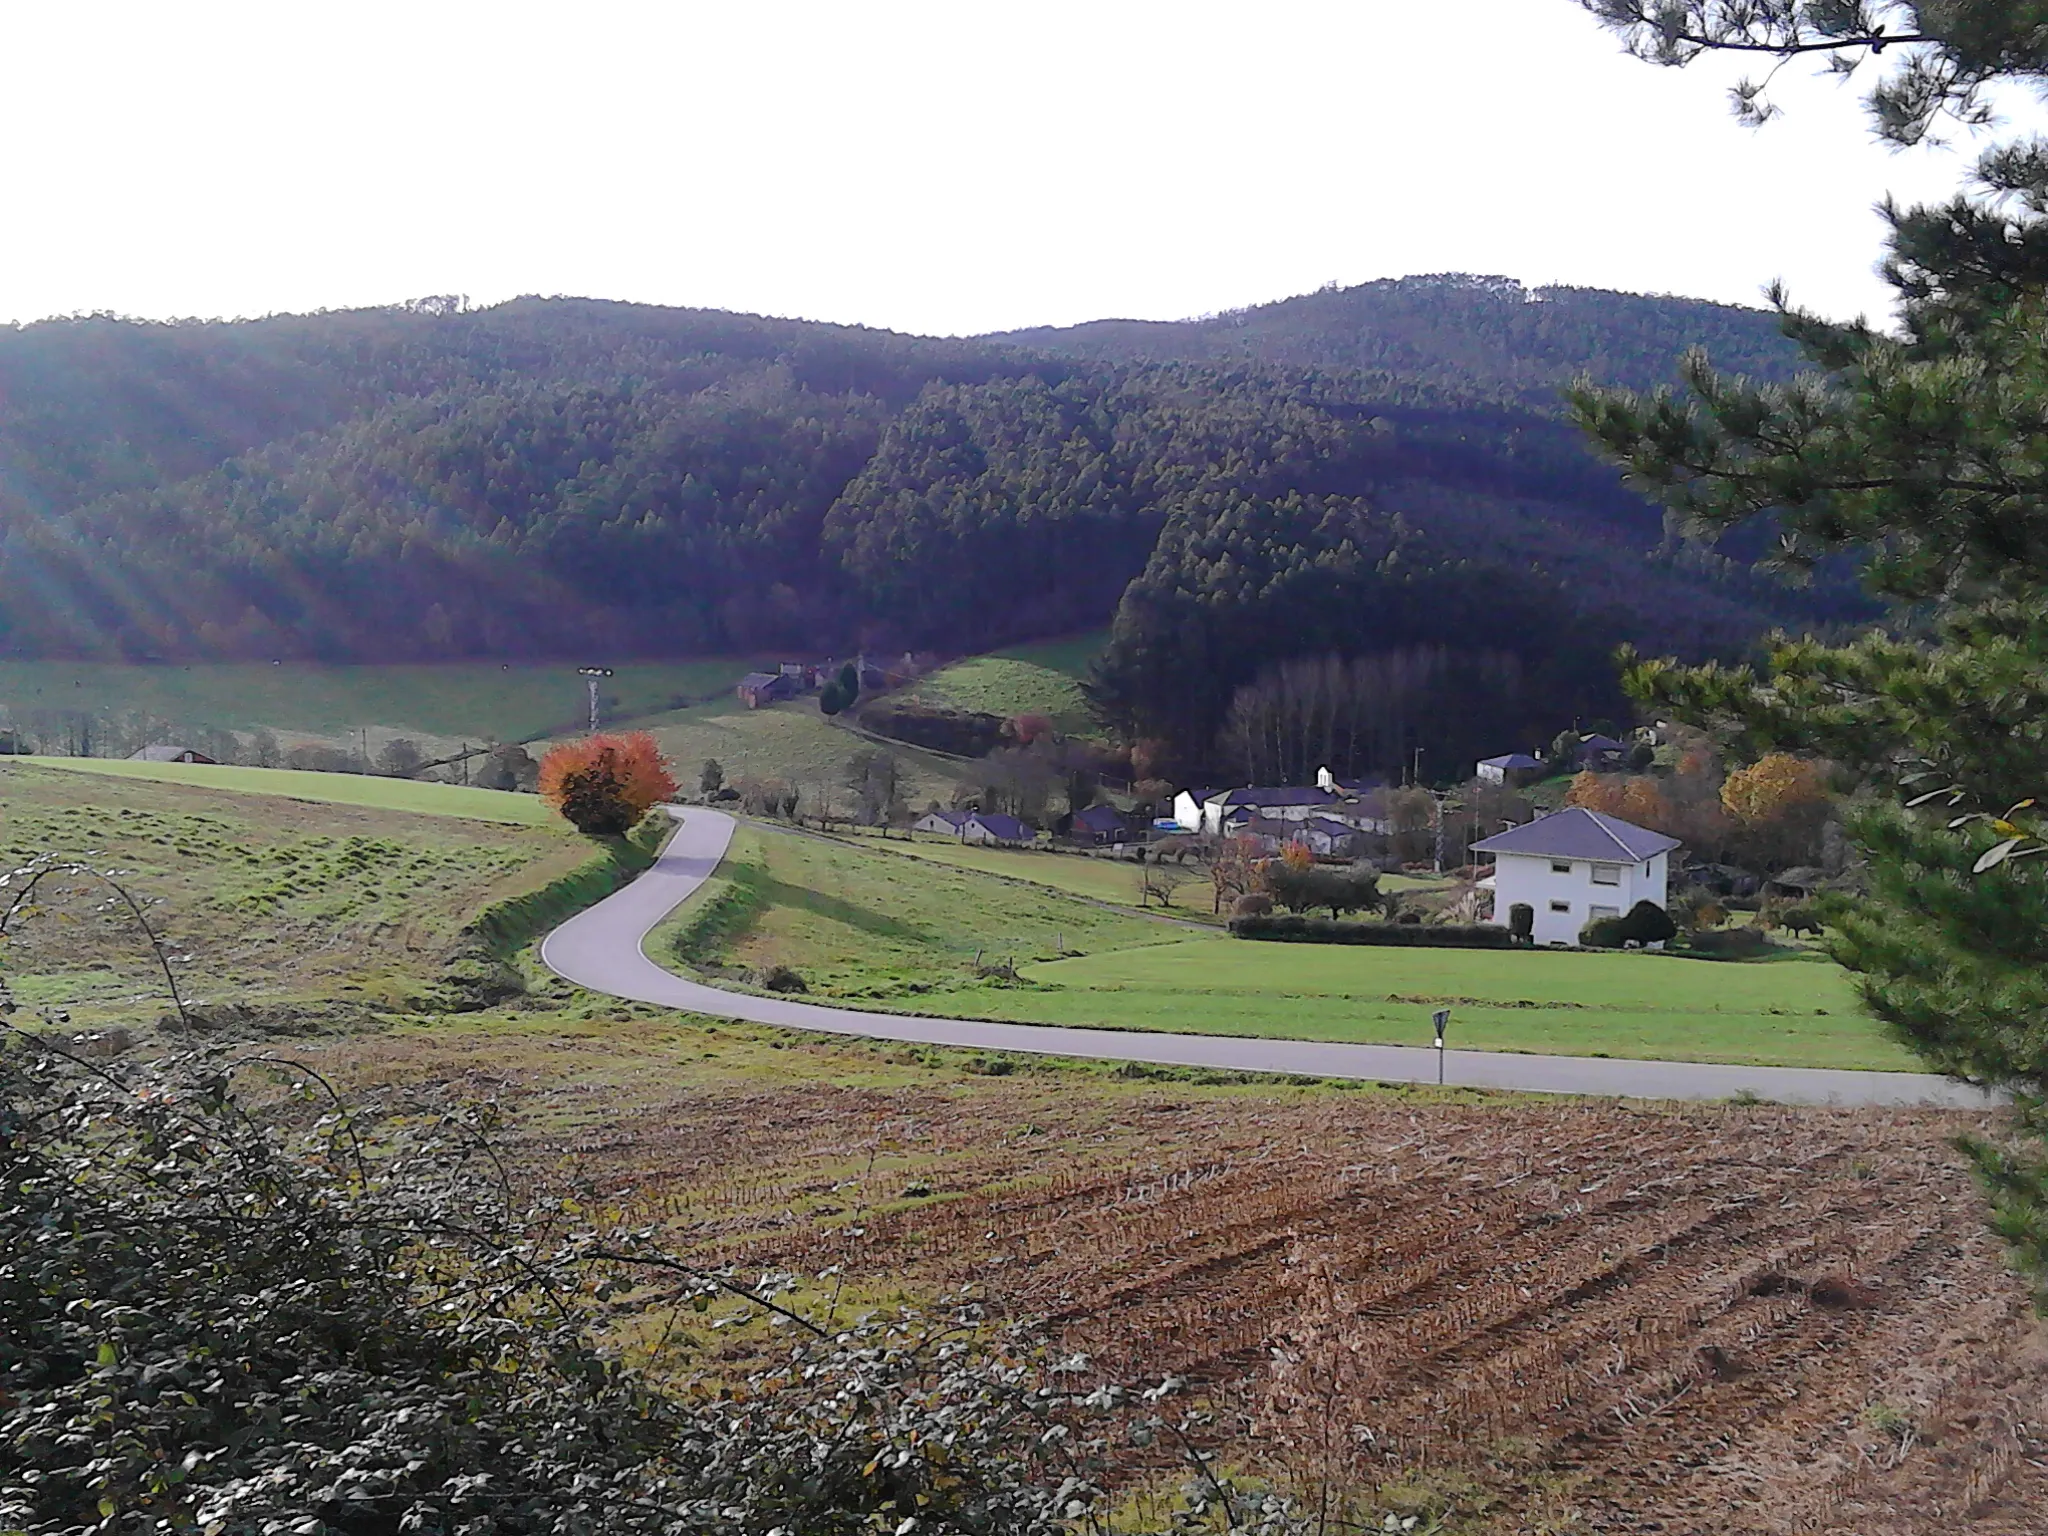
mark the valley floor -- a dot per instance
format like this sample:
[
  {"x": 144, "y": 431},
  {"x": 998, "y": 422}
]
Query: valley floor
[
  {"x": 936, "y": 928},
  {"x": 1499, "y": 1315}
]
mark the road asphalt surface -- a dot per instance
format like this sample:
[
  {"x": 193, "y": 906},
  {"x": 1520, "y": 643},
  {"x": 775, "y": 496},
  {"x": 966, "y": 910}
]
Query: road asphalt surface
[{"x": 601, "y": 949}]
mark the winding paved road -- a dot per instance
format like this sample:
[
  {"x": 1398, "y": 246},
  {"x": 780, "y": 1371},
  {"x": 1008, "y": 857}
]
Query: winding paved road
[{"x": 600, "y": 949}]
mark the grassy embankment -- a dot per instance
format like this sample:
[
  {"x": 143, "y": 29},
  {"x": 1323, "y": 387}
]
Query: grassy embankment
[{"x": 847, "y": 918}]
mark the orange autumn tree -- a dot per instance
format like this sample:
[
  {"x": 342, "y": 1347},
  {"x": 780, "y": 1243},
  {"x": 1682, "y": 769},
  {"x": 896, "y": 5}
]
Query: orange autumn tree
[{"x": 603, "y": 785}]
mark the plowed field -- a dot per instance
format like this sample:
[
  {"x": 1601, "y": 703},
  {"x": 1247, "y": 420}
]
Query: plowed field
[{"x": 1526, "y": 1318}]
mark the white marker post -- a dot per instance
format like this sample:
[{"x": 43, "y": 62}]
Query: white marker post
[{"x": 1441, "y": 1019}]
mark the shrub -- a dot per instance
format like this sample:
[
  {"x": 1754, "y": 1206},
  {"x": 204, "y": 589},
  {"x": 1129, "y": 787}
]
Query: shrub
[
  {"x": 782, "y": 978},
  {"x": 1644, "y": 923},
  {"x": 603, "y": 785},
  {"x": 1602, "y": 933},
  {"x": 1522, "y": 922},
  {"x": 1252, "y": 904},
  {"x": 1648, "y": 923},
  {"x": 1801, "y": 919},
  {"x": 1320, "y": 930},
  {"x": 1731, "y": 943}
]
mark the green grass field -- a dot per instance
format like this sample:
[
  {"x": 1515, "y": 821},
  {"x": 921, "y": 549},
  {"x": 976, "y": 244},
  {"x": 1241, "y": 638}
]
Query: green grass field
[
  {"x": 477, "y": 700},
  {"x": 329, "y": 788},
  {"x": 1044, "y": 678},
  {"x": 1099, "y": 879},
  {"x": 846, "y": 916},
  {"x": 792, "y": 742}
]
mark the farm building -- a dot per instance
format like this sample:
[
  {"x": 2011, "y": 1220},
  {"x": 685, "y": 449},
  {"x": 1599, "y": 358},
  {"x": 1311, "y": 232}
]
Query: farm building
[
  {"x": 1099, "y": 824},
  {"x": 758, "y": 688},
  {"x": 168, "y": 754},
  {"x": 1508, "y": 768},
  {"x": 1323, "y": 836},
  {"x": 974, "y": 826},
  {"x": 1573, "y": 866}
]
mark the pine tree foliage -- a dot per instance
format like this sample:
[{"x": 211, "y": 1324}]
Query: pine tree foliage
[{"x": 1923, "y": 453}]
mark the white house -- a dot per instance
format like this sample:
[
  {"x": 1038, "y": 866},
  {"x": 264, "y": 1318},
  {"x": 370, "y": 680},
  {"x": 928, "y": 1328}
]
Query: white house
[
  {"x": 1187, "y": 809},
  {"x": 1573, "y": 866}
]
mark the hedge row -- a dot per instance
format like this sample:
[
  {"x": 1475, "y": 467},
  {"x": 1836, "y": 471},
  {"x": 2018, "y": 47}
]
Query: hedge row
[{"x": 1321, "y": 930}]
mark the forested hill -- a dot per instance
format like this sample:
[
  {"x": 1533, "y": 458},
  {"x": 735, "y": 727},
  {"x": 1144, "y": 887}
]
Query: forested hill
[
  {"x": 1485, "y": 333},
  {"x": 549, "y": 477}
]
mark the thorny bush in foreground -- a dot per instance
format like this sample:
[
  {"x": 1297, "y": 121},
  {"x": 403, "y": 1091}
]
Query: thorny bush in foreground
[{"x": 228, "y": 1318}]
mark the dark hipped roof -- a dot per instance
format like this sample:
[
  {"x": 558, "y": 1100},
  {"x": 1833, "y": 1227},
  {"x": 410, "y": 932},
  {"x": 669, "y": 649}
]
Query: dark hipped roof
[
  {"x": 164, "y": 754},
  {"x": 1578, "y": 833},
  {"x": 760, "y": 679},
  {"x": 1008, "y": 828},
  {"x": 1511, "y": 760},
  {"x": 1292, "y": 796},
  {"x": 1100, "y": 818}
]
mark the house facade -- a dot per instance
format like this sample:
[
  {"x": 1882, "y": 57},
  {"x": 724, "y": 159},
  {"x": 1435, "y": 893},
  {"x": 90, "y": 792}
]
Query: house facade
[{"x": 1573, "y": 866}]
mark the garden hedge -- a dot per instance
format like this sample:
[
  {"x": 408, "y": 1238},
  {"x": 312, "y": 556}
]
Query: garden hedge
[{"x": 1321, "y": 930}]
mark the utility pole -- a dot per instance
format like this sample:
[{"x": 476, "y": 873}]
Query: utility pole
[{"x": 592, "y": 676}]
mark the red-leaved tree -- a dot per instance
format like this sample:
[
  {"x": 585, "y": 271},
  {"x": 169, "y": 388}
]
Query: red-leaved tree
[{"x": 603, "y": 785}]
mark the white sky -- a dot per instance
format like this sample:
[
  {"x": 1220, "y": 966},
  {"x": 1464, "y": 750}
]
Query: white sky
[{"x": 955, "y": 167}]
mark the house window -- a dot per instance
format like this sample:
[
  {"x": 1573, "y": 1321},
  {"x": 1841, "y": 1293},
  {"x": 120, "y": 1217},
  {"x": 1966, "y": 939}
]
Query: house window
[
  {"x": 1560, "y": 906},
  {"x": 1560, "y": 866},
  {"x": 1607, "y": 874}
]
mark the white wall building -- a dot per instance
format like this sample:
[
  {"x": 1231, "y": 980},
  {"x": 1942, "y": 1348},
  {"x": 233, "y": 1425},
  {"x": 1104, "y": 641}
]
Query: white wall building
[{"x": 1574, "y": 866}]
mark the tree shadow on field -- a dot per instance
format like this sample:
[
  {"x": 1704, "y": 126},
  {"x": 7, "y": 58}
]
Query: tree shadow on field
[{"x": 781, "y": 893}]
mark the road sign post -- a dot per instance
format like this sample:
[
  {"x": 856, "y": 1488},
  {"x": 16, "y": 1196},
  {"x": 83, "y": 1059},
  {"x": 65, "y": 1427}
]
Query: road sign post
[{"x": 1441, "y": 1019}]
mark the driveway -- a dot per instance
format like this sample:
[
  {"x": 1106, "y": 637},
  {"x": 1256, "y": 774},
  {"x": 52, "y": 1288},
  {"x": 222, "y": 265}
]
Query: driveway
[{"x": 600, "y": 949}]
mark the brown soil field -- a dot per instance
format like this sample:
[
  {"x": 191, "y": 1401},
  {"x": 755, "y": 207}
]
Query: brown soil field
[{"x": 1510, "y": 1316}]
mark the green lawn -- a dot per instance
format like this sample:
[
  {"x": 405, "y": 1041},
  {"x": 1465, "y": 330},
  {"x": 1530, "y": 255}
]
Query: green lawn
[
  {"x": 1792, "y": 1012},
  {"x": 474, "y": 700},
  {"x": 867, "y": 923},
  {"x": 331, "y": 788},
  {"x": 1044, "y": 679}
]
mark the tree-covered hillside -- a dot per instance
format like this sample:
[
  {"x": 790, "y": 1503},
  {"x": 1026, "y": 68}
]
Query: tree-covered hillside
[
  {"x": 1452, "y": 329},
  {"x": 555, "y": 476}
]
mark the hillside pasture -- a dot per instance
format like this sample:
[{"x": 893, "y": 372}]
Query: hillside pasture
[
  {"x": 859, "y": 923},
  {"x": 792, "y": 742},
  {"x": 1044, "y": 678},
  {"x": 263, "y": 899}
]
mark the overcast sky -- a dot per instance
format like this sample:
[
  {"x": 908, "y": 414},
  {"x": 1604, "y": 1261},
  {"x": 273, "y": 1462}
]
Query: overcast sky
[{"x": 951, "y": 167}]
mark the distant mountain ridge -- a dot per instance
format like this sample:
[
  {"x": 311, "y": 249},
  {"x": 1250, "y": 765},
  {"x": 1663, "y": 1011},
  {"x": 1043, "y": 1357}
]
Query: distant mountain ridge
[
  {"x": 551, "y": 477},
  {"x": 1491, "y": 333}
]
